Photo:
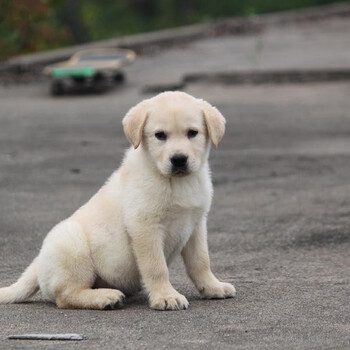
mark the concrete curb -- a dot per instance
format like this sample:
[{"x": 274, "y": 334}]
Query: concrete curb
[
  {"x": 270, "y": 76},
  {"x": 149, "y": 42},
  {"x": 286, "y": 76}
]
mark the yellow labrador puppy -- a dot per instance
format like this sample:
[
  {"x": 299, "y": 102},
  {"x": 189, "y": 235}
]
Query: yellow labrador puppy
[{"x": 154, "y": 207}]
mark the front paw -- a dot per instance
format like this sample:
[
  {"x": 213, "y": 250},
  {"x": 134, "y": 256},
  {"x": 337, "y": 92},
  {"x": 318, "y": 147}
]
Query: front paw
[
  {"x": 173, "y": 301},
  {"x": 218, "y": 290}
]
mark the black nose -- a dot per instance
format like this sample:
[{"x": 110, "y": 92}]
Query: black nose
[{"x": 179, "y": 160}]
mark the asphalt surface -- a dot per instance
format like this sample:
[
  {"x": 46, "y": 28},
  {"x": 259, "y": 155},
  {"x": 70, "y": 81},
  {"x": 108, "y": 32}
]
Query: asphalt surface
[{"x": 279, "y": 226}]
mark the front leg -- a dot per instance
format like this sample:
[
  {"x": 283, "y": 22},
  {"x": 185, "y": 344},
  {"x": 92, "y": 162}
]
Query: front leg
[
  {"x": 148, "y": 248},
  {"x": 196, "y": 258}
]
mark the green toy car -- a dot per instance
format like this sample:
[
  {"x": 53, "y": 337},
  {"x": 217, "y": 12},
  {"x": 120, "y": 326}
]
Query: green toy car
[{"x": 89, "y": 70}]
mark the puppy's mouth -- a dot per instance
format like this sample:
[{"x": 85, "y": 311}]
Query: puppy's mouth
[{"x": 180, "y": 171}]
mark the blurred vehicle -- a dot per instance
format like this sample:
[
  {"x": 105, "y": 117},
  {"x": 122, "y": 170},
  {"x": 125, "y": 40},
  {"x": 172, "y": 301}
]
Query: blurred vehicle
[{"x": 89, "y": 70}]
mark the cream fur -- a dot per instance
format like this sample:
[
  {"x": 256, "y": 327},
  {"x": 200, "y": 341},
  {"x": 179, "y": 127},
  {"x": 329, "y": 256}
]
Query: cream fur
[{"x": 128, "y": 233}]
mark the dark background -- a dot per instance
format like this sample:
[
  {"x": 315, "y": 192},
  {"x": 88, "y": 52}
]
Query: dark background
[{"x": 35, "y": 25}]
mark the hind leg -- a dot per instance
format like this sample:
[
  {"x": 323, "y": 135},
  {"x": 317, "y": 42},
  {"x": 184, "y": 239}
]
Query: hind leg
[
  {"x": 66, "y": 271},
  {"x": 99, "y": 299}
]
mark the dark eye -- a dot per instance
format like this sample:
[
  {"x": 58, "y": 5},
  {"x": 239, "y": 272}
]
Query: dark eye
[
  {"x": 192, "y": 133},
  {"x": 160, "y": 135}
]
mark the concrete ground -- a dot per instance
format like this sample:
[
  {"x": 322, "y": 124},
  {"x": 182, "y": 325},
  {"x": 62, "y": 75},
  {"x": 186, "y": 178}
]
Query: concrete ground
[
  {"x": 314, "y": 45},
  {"x": 279, "y": 226}
]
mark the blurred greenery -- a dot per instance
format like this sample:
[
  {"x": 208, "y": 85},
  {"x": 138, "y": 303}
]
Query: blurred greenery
[{"x": 34, "y": 25}]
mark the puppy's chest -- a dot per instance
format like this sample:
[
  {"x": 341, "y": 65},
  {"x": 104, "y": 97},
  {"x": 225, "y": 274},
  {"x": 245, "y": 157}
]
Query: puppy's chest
[
  {"x": 191, "y": 195},
  {"x": 178, "y": 224},
  {"x": 184, "y": 208}
]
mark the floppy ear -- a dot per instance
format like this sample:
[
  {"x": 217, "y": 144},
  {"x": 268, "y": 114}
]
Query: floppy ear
[
  {"x": 134, "y": 122},
  {"x": 214, "y": 121}
]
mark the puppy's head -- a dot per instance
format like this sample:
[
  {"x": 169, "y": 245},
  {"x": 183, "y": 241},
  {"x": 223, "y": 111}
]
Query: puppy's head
[{"x": 174, "y": 129}]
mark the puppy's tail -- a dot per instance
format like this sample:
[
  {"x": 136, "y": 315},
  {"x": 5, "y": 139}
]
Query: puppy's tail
[{"x": 24, "y": 288}]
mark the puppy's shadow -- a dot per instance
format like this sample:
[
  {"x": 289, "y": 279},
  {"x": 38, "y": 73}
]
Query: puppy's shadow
[{"x": 138, "y": 300}]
